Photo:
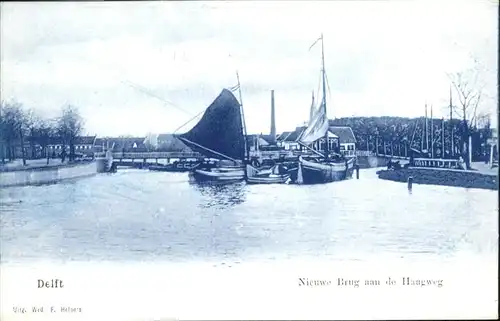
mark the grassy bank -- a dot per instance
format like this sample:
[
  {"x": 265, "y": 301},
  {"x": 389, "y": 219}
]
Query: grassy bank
[{"x": 429, "y": 176}]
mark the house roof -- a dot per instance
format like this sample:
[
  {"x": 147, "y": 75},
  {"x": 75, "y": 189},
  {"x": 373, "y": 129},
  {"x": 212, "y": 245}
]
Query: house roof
[
  {"x": 55, "y": 141},
  {"x": 80, "y": 140},
  {"x": 295, "y": 134},
  {"x": 291, "y": 136},
  {"x": 164, "y": 137},
  {"x": 264, "y": 140},
  {"x": 267, "y": 138},
  {"x": 345, "y": 134},
  {"x": 332, "y": 135},
  {"x": 169, "y": 141},
  {"x": 121, "y": 142},
  {"x": 85, "y": 140},
  {"x": 283, "y": 136}
]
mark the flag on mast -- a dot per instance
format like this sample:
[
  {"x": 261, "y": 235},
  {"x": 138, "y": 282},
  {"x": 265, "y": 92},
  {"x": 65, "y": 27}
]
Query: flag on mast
[
  {"x": 315, "y": 42},
  {"x": 234, "y": 88}
]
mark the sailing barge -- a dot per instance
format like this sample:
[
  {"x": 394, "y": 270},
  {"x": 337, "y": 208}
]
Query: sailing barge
[
  {"x": 326, "y": 167},
  {"x": 220, "y": 137}
]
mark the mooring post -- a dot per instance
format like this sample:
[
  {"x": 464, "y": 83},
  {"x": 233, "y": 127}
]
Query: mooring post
[
  {"x": 357, "y": 171},
  {"x": 410, "y": 182}
]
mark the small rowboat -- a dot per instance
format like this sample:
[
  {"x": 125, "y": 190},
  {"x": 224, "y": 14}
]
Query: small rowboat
[
  {"x": 219, "y": 174},
  {"x": 271, "y": 179},
  {"x": 267, "y": 176}
]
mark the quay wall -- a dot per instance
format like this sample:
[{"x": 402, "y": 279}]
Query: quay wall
[
  {"x": 442, "y": 177},
  {"x": 46, "y": 175}
]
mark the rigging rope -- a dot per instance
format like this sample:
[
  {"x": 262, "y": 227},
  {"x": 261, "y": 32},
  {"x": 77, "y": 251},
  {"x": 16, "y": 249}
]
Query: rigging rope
[
  {"x": 191, "y": 119},
  {"x": 318, "y": 92},
  {"x": 147, "y": 92},
  {"x": 328, "y": 86}
]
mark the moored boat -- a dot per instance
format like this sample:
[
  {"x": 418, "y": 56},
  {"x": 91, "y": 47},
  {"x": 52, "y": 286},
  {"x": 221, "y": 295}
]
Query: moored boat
[
  {"x": 328, "y": 167},
  {"x": 278, "y": 174},
  {"x": 218, "y": 170},
  {"x": 316, "y": 171},
  {"x": 177, "y": 166},
  {"x": 220, "y": 135}
]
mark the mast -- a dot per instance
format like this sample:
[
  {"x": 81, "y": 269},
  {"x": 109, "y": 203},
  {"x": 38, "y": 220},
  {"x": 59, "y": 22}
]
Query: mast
[
  {"x": 327, "y": 151},
  {"x": 426, "y": 131},
  {"x": 451, "y": 125},
  {"x": 422, "y": 138},
  {"x": 247, "y": 154},
  {"x": 432, "y": 136},
  {"x": 442, "y": 138},
  {"x": 311, "y": 112}
]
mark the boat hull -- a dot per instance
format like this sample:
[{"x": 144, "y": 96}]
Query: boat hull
[
  {"x": 219, "y": 174},
  {"x": 273, "y": 175},
  {"x": 309, "y": 172},
  {"x": 278, "y": 179},
  {"x": 172, "y": 168}
]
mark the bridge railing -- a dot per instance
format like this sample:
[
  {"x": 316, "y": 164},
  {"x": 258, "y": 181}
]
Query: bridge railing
[
  {"x": 147, "y": 155},
  {"x": 437, "y": 163},
  {"x": 365, "y": 153}
]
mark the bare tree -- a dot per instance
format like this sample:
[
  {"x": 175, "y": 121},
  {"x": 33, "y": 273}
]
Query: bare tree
[
  {"x": 44, "y": 132},
  {"x": 483, "y": 120},
  {"x": 2, "y": 131},
  {"x": 32, "y": 121},
  {"x": 13, "y": 128},
  {"x": 69, "y": 127},
  {"x": 469, "y": 97}
]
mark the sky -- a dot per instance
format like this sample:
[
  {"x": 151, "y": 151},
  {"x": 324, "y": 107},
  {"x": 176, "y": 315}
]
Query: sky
[{"x": 134, "y": 68}]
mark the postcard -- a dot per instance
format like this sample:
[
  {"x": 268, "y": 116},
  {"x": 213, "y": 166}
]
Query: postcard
[{"x": 249, "y": 160}]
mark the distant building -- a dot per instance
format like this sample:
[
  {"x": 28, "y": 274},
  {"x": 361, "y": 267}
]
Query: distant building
[
  {"x": 346, "y": 139},
  {"x": 151, "y": 141},
  {"x": 170, "y": 143},
  {"x": 120, "y": 144},
  {"x": 333, "y": 143},
  {"x": 83, "y": 145},
  {"x": 288, "y": 140},
  {"x": 259, "y": 142},
  {"x": 340, "y": 139}
]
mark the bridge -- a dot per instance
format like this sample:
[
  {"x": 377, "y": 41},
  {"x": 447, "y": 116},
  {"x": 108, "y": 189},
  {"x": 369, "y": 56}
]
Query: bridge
[
  {"x": 364, "y": 158},
  {"x": 146, "y": 159}
]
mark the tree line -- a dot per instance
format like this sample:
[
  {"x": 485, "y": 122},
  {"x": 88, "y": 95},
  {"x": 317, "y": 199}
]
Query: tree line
[
  {"x": 398, "y": 135},
  {"x": 20, "y": 126},
  {"x": 392, "y": 134}
]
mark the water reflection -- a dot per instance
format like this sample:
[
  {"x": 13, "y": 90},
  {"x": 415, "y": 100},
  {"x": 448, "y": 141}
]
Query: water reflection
[
  {"x": 141, "y": 215},
  {"x": 220, "y": 194}
]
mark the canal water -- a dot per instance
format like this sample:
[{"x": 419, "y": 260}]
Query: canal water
[{"x": 137, "y": 215}]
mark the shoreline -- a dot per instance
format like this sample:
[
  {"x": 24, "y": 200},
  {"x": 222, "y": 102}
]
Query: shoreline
[
  {"x": 42, "y": 175},
  {"x": 442, "y": 177},
  {"x": 43, "y": 167}
]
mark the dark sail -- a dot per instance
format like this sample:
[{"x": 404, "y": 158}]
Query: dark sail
[{"x": 220, "y": 129}]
